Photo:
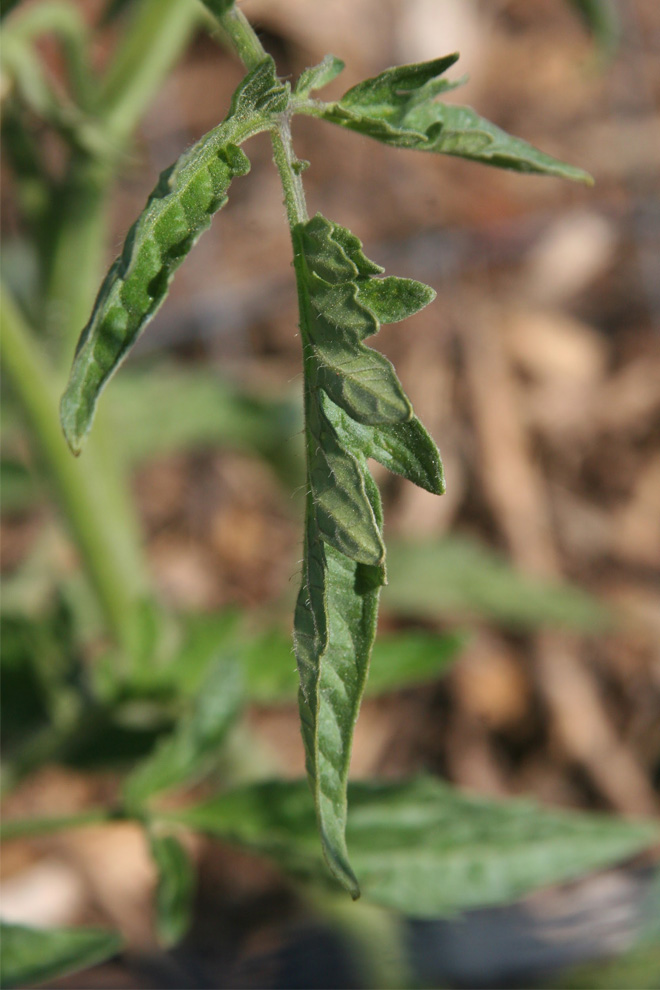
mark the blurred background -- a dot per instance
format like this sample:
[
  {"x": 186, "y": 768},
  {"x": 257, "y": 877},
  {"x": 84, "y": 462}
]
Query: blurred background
[{"x": 537, "y": 371}]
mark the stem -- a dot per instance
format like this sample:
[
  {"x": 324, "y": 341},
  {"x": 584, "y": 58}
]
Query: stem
[
  {"x": 154, "y": 41},
  {"x": 84, "y": 503},
  {"x": 26, "y": 828},
  {"x": 242, "y": 36},
  {"x": 289, "y": 169},
  {"x": 75, "y": 255},
  {"x": 246, "y": 44}
]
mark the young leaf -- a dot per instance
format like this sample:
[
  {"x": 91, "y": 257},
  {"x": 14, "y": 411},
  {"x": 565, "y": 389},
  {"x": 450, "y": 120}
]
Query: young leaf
[
  {"x": 423, "y": 848},
  {"x": 177, "y": 212},
  {"x": 175, "y": 888},
  {"x": 319, "y": 75},
  {"x": 346, "y": 384},
  {"x": 399, "y": 107},
  {"x": 32, "y": 955},
  {"x": 184, "y": 754}
]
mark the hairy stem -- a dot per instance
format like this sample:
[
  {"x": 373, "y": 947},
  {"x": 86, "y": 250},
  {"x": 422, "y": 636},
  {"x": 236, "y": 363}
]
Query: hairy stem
[{"x": 241, "y": 36}]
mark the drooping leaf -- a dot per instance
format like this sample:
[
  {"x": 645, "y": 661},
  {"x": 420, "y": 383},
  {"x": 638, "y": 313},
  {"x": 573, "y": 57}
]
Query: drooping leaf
[
  {"x": 32, "y": 955},
  {"x": 457, "y": 578},
  {"x": 177, "y": 212},
  {"x": 424, "y": 848},
  {"x": 343, "y": 560},
  {"x": 399, "y": 107},
  {"x": 174, "y": 890},
  {"x": 183, "y": 755},
  {"x": 319, "y": 75}
]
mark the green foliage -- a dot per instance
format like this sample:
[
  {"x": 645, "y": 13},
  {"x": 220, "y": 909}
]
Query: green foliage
[
  {"x": 344, "y": 555},
  {"x": 184, "y": 754},
  {"x": 319, "y": 75},
  {"x": 397, "y": 661},
  {"x": 418, "y": 846},
  {"x": 179, "y": 209},
  {"x": 175, "y": 888},
  {"x": 30, "y": 955},
  {"x": 398, "y": 107},
  {"x": 456, "y": 577},
  {"x": 422, "y": 847}
]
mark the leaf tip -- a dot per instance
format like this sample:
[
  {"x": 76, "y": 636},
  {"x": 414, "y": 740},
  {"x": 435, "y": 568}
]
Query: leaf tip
[{"x": 70, "y": 427}]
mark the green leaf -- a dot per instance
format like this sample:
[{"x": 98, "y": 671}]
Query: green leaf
[
  {"x": 393, "y": 299},
  {"x": 399, "y": 107},
  {"x": 185, "y": 754},
  {"x": 319, "y": 75},
  {"x": 177, "y": 212},
  {"x": 161, "y": 409},
  {"x": 457, "y": 577},
  {"x": 424, "y": 848},
  {"x": 346, "y": 384},
  {"x": 404, "y": 448},
  {"x": 397, "y": 661},
  {"x": 31, "y": 955},
  {"x": 175, "y": 889}
]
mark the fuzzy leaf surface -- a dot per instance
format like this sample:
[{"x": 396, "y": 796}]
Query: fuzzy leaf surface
[
  {"x": 34, "y": 955},
  {"x": 424, "y": 848},
  {"x": 399, "y": 107},
  {"x": 179, "y": 209},
  {"x": 346, "y": 382},
  {"x": 175, "y": 888},
  {"x": 319, "y": 75}
]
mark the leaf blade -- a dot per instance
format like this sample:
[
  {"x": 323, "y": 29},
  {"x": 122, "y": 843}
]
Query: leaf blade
[
  {"x": 174, "y": 890},
  {"x": 178, "y": 211},
  {"x": 399, "y": 108},
  {"x": 344, "y": 557},
  {"x": 31, "y": 955},
  {"x": 182, "y": 755},
  {"x": 424, "y": 848}
]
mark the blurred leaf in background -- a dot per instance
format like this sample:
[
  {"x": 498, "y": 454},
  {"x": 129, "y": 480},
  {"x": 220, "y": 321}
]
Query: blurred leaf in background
[
  {"x": 31, "y": 955},
  {"x": 421, "y": 846}
]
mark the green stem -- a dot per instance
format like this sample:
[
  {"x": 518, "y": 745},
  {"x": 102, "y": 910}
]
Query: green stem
[
  {"x": 81, "y": 495},
  {"x": 27, "y": 828},
  {"x": 240, "y": 34},
  {"x": 289, "y": 169},
  {"x": 155, "y": 39},
  {"x": 75, "y": 255},
  {"x": 245, "y": 42}
]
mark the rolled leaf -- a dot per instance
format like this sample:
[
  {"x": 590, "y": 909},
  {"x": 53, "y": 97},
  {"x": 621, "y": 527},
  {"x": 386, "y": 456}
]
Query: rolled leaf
[{"x": 179, "y": 209}]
